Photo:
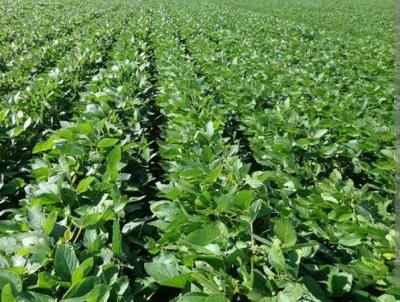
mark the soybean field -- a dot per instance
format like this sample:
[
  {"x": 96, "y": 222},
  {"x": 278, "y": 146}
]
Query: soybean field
[{"x": 197, "y": 151}]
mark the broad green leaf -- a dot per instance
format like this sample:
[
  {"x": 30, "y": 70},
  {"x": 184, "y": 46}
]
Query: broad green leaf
[
  {"x": 9, "y": 277},
  {"x": 36, "y": 218},
  {"x": 339, "y": 283},
  {"x": 285, "y": 232},
  {"x": 193, "y": 297},
  {"x": 47, "y": 281},
  {"x": 320, "y": 133},
  {"x": 200, "y": 297},
  {"x": 65, "y": 261},
  {"x": 82, "y": 288},
  {"x": 110, "y": 273},
  {"x": 314, "y": 289},
  {"x": 276, "y": 257},
  {"x": 291, "y": 293},
  {"x": 214, "y": 174},
  {"x": 84, "y": 184},
  {"x": 351, "y": 239},
  {"x": 8, "y": 293},
  {"x": 82, "y": 270},
  {"x": 243, "y": 199},
  {"x": 165, "y": 274},
  {"x": 49, "y": 223},
  {"x": 204, "y": 236},
  {"x": 107, "y": 142},
  {"x": 13, "y": 186},
  {"x": 100, "y": 293},
  {"x": 46, "y": 199},
  {"x": 45, "y": 145},
  {"x": 31, "y": 296}
]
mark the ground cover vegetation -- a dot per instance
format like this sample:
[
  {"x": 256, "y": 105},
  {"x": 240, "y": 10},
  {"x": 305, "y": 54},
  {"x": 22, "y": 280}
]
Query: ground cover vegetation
[{"x": 197, "y": 151}]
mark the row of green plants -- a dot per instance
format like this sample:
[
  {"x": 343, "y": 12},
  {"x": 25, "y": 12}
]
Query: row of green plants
[
  {"x": 64, "y": 242},
  {"x": 21, "y": 69},
  {"x": 28, "y": 113},
  {"x": 27, "y": 25},
  {"x": 327, "y": 169}
]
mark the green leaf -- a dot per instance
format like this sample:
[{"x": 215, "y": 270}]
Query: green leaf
[
  {"x": 352, "y": 239},
  {"x": 314, "y": 289},
  {"x": 320, "y": 133},
  {"x": 100, "y": 293},
  {"x": 216, "y": 298},
  {"x": 165, "y": 274},
  {"x": 47, "y": 281},
  {"x": 36, "y": 218},
  {"x": 130, "y": 226},
  {"x": 66, "y": 261},
  {"x": 16, "y": 131},
  {"x": 121, "y": 285},
  {"x": 116, "y": 239},
  {"x": 32, "y": 296},
  {"x": 387, "y": 298},
  {"x": 276, "y": 257},
  {"x": 193, "y": 297},
  {"x": 8, "y": 293},
  {"x": 8, "y": 277},
  {"x": 110, "y": 273},
  {"x": 243, "y": 199},
  {"x": 45, "y": 145},
  {"x": 46, "y": 199},
  {"x": 13, "y": 186},
  {"x": 339, "y": 283},
  {"x": 107, "y": 142},
  {"x": 204, "y": 236},
  {"x": 291, "y": 293},
  {"x": 82, "y": 288},
  {"x": 200, "y": 297},
  {"x": 91, "y": 219},
  {"x": 82, "y": 270},
  {"x": 50, "y": 223},
  {"x": 214, "y": 174},
  {"x": 210, "y": 128},
  {"x": 285, "y": 232},
  {"x": 84, "y": 184},
  {"x": 114, "y": 157}
]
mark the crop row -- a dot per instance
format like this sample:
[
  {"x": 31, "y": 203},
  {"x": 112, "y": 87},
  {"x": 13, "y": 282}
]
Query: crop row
[
  {"x": 85, "y": 186},
  {"x": 48, "y": 99},
  {"x": 331, "y": 180}
]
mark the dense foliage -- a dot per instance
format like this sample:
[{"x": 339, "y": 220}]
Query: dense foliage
[{"x": 197, "y": 151}]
